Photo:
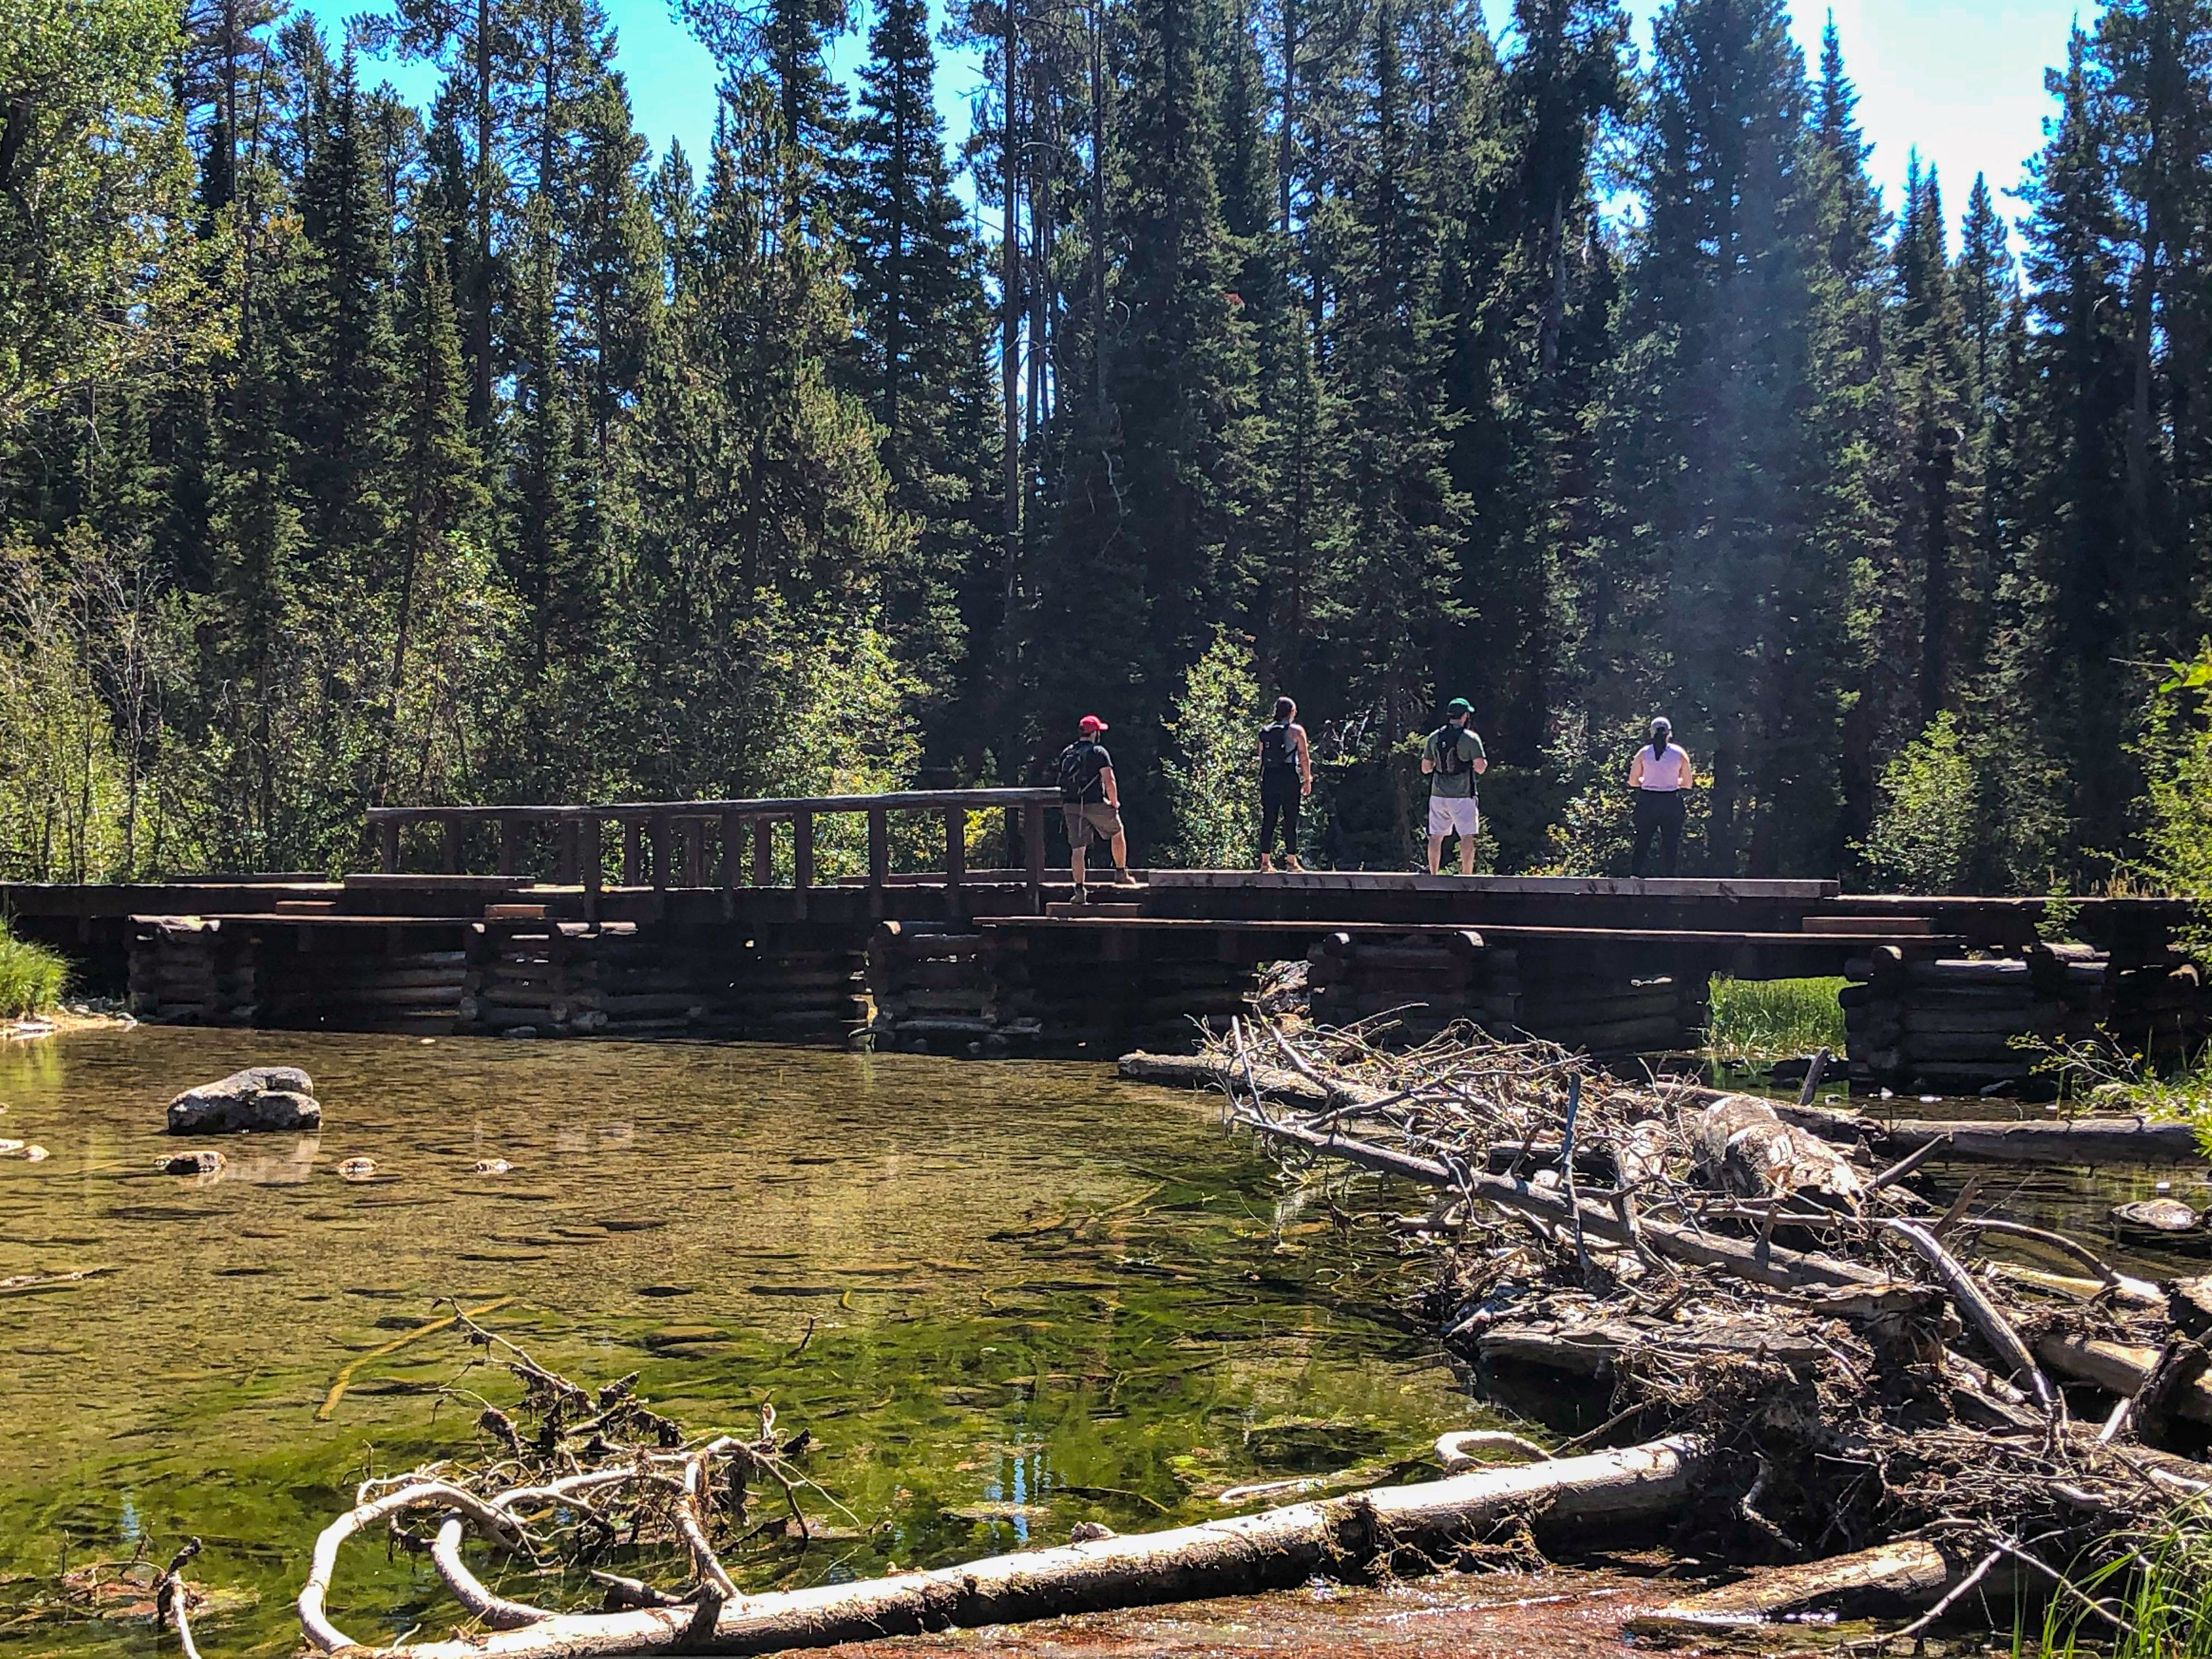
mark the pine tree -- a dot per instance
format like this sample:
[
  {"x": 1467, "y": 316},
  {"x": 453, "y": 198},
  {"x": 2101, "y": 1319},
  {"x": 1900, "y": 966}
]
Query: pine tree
[
  {"x": 918, "y": 293},
  {"x": 1986, "y": 283},
  {"x": 614, "y": 257},
  {"x": 346, "y": 402},
  {"x": 439, "y": 498},
  {"x": 2078, "y": 521}
]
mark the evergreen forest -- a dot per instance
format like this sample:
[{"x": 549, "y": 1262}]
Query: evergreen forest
[{"x": 352, "y": 454}]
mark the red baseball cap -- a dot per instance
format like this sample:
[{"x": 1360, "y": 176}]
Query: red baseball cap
[{"x": 1091, "y": 723}]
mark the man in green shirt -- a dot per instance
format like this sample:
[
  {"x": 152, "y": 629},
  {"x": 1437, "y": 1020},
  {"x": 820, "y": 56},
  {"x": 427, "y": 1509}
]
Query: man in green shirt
[{"x": 1453, "y": 759}]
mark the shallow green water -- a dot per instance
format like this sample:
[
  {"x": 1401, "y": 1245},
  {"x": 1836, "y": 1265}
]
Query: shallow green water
[{"x": 1036, "y": 1296}]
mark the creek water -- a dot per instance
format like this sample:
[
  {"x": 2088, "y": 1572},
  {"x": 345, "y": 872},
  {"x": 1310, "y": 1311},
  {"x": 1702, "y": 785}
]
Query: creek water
[{"x": 1004, "y": 1298}]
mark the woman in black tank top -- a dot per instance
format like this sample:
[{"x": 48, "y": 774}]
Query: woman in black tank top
[{"x": 1286, "y": 779}]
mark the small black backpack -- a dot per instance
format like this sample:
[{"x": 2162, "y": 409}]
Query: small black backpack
[
  {"x": 1446, "y": 738},
  {"x": 1275, "y": 746},
  {"x": 1078, "y": 770}
]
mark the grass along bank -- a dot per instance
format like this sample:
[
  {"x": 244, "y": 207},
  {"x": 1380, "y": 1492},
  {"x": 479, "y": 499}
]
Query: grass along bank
[
  {"x": 32, "y": 977},
  {"x": 1756, "y": 1022}
]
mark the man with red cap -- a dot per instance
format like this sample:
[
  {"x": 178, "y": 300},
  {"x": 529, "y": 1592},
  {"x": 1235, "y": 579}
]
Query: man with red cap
[{"x": 1090, "y": 802}]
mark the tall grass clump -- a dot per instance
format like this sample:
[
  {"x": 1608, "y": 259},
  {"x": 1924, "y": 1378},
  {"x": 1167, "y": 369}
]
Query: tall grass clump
[
  {"x": 2157, "y": 1601},
  {"x": 1755, "y": 1021},
  {"x": 32, "y": 977}
]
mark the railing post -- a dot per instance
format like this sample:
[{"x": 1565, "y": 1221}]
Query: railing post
[
  {"x": 879, "y": 858},
  {"x": 510, "y": 846},
  {"x": 1033, "y": 853},
  {"x": 956, "y": 850},
  {"x": 763, "y": 852},
  {"x": 451, "y": 822},
  {"x": 802, "y": 856},
  {"x": 387, "y": 858},
  {"x": 629, "y": 852},
  {"x": 590, "y": 857},
  {"x": 568, "y": 866},
  {"x": 733, "y": 848},
  {"x": 660, "y": 871}
]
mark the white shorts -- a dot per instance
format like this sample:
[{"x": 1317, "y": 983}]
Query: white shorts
[{"x": 1454, "y": 815}]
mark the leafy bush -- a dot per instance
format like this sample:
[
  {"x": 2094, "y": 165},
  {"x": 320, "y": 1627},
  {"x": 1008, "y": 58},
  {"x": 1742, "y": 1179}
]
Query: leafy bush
[
  {"x": 32, "y": 977},
  {"x": 2176, "y": 752},
  {"x": 1213, "y": 785},
  {"x": 1925, "y": 835}
]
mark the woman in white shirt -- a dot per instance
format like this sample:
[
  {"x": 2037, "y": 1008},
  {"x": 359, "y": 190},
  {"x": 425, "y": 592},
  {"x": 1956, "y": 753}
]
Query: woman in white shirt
[{"x": 1659, "y": 778}]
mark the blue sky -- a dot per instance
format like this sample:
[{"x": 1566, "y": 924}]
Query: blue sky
[{"x": 1961, "y": 79}]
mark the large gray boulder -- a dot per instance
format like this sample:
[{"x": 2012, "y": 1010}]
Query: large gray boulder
[{"x": 275, "y": 1097}]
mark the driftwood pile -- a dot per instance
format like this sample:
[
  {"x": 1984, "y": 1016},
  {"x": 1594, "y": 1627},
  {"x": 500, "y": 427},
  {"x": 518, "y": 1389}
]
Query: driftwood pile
[{"x": 1904, "y": 1398}]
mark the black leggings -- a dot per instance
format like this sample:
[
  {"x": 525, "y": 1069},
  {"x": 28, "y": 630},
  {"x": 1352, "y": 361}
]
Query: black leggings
[
  {"x": 1660, "y": 810},
  {"x": 1278, "y": 800}
]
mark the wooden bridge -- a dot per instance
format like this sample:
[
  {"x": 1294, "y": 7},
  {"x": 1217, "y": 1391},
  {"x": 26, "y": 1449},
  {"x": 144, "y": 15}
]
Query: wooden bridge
[{"x": 930, "y": 920}]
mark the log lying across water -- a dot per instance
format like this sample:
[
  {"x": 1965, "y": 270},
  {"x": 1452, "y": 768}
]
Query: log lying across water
[
  {"x": 2084, "y": 1140},
  {"x": 1401, "y": 1528}
]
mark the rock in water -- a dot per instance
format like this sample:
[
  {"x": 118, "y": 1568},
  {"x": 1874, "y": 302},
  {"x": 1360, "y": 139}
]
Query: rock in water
[
  {"x": 2156, "y": 1220},
  {"x": 270, "y": 1097},
  {"x": 357, "y": 1169},
  {"x": 190, "y": 1163}
]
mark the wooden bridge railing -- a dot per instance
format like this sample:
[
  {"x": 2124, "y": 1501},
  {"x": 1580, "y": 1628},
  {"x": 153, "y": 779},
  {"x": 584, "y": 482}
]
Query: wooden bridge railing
[{"x": 666, "y": 841}]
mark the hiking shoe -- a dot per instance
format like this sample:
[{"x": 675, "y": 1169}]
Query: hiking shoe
[
  {"x": 1082, "y": 895},
  {"x": 1123, "y": 878},
  {"x": 1267, "y": 864},
  {"x": 1292, "y": 865}
]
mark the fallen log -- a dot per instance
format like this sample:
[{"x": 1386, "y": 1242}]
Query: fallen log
[
  {"x": 2085, "y": 1140},
  {"x": 2120, "y": 1368},
  {"x": 1887, "y": 1579},
  {"x": 1398, "y": 1528}
]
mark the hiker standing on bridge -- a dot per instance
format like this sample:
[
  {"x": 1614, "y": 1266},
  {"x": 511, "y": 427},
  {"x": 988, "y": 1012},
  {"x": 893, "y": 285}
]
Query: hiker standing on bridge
[
  {"x": 1659, "y": 778},
  {"x": 1453, "y": 758},
  {"x": 1090, "y": 802},
  {"x": 1286, "y": 779}
]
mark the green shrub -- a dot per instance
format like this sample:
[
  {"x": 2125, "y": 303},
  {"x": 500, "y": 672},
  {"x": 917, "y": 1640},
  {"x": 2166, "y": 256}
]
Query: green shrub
[
  {"x": 1925, "y": 835},
  {"x": 1213, "y": 775},
  {"x": 1758, "y": 1020},
  {"x": 2176, "y": 752},
  {"x": 32, "y": 977}
]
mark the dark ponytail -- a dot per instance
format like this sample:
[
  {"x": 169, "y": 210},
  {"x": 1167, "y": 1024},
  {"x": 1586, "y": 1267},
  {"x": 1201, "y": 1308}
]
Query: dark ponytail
[{"x": 1662, "y": 734}]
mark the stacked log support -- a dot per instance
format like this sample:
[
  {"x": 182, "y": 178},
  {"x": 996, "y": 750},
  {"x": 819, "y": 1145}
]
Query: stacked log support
[
  {"x": 789, "y": 985},
  {"x": 544, "y": 978},
  {"x": 1421, "y": 982},
  {"x": 944, "y": 987},
  {"x": 417, "y": 991},
  {"x": 1615, "y": 1014},
  {"x": 1963, "y": 1026},
  {"x": 187, "y": 971}
]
